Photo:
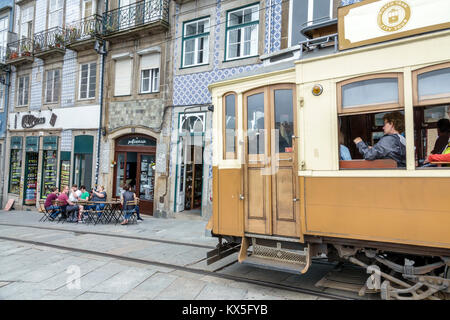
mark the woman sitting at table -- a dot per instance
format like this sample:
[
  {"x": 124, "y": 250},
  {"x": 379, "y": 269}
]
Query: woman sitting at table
[
  {"x": 83, "y": 197},
  {"x": 128, "y": 209}
]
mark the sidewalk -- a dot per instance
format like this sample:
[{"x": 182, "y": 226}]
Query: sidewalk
[{"x": 183, "y": 229}]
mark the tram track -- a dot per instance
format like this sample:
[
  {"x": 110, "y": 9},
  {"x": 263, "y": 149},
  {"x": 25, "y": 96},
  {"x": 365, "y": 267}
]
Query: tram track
[{"x": 214, "y": 273}]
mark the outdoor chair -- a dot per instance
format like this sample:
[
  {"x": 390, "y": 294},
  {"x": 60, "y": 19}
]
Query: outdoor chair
[
  {"x": 133, "y": 216},
  {"x": 45, "y": 213}
]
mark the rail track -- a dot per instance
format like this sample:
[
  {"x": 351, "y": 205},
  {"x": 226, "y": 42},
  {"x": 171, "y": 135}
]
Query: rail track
[{"x": 186, "y": 268}]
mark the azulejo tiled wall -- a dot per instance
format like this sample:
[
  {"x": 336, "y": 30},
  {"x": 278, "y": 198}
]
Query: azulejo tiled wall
[
  {"x": 349, "y": 2},
  {"x": 193, "y": 88}
]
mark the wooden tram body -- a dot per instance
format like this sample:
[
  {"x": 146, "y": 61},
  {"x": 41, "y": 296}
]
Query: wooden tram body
[{"x": 293, "y": 205}]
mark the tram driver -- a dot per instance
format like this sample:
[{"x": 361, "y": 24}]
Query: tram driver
[{"x": 391, "y": 146}]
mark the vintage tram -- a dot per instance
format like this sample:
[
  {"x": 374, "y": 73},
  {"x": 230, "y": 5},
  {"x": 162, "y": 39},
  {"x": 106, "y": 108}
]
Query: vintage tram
[{"x": 281, "y": 190}]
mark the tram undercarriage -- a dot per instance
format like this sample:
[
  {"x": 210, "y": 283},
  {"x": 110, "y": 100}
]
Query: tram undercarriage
[{"x": 401, "y": 275}]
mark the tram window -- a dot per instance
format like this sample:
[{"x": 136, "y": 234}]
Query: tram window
[
  {"x": 230, "y": 126},
  {"x": 255, "y": 123},
  {"x": 431, "y": 134},
  {"x": 284, "y": 119},
  {"x": 431, "y": 92}
]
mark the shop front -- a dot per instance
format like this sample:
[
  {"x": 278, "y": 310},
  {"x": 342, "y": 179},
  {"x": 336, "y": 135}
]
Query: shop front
[
  {"x": 48, "y": 149},
  {"x": 134, "y": 165}
]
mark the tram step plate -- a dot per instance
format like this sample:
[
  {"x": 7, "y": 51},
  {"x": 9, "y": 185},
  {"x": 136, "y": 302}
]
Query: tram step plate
[{"x": 270, "y": 264}]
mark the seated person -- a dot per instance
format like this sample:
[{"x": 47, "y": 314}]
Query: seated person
[
  {"x": 391, "y": 146},
  {"x": 128, "y": 195},
  {"x": 444, "y": 157},
  {"x": 52, "y": 196},
  {"x": 443, "y": 128},
  {"x": 344, "y": 152},
  {"x": 83, "y": 196},
  {"x": 98, "y": 196},
  {"x": 66, "y": 205},
  {"x": 74, "y": 209}
]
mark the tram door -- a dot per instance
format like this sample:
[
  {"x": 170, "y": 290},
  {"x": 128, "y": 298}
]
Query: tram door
[{"x": 271, "y": 189}]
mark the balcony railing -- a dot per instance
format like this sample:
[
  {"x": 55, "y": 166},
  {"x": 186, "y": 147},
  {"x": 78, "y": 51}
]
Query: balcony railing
[
  {"x": 19, "y": 49},
  {"x": 135, "y": 15},
  {"x": 50, "y": 39},
  {"x": 86, "y": 29}
]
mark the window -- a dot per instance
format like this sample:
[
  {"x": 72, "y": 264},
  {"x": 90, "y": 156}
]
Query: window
[
  {"x": 150, "y": 73},
  {"x": 230, "y": 126},
  {"x": 2, "y": 95},
  {"x": 24, "y": 82},
  {"x": 56, "y": 11},
  {"x": 242, "y": 32},
  {"x": 195, "y": 42},
  {"x": 370, "y": 108},
  {"x": 26, "y": 21},
  {"x": 431, "y": 92},
  {"x": 4, "y": 27},
  {"x": 88, "y": 9},
  {"x": 122, "y": 79},
  {"x": 52, "y": 86},
  {"x": 88, "y": 76}
]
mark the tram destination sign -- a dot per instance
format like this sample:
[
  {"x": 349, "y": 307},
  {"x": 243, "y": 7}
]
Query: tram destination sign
[{"x": 374, "y": 21}]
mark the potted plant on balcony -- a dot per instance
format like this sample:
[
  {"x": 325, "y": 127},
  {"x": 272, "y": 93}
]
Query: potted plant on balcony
[
  {"x": 73, "y": 34},
  {"x": 59, "y": 40},
  {"x": 13, "y": 55},
  {"x": 25, "y": 50}
]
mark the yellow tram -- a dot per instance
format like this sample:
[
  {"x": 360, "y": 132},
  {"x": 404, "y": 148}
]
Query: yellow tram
[{"x": 280, "y": 188}]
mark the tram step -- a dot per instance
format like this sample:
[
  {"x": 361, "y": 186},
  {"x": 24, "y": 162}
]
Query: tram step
[{"x": 278, "y": 265}]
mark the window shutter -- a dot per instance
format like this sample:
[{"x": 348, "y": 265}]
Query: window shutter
[
  {"x": 122, "y": 82},
  {"x": 150, "y": 61}
]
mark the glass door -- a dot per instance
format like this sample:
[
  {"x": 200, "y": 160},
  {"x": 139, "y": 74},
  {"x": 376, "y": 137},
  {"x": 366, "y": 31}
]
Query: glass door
[
  {"x": 31, "y": 173},
  {"x": 146, "y": 182},
  {"x": 120, "y": 173}
]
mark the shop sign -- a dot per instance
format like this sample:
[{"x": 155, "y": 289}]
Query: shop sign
[
  {"x": 50, "y": 143},
  {"x": 29, "y": 121},
  {"x": 374, "y": 21},
  {"x": 16, "y": 142},
  {"x": 136, "y": 141},
  {"x": 32, "y": 144}
]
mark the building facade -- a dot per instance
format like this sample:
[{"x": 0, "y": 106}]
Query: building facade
[
  {"x": 138, "y": 77},
  {"x": 54, "y": 98},
  {"x": 6, "y": 23},
  {"x": 215, "y": 40}
]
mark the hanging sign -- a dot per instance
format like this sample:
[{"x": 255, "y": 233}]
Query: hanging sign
[
  {"x": 374, "y": 21},
  {"x": 137, "y": 141},
  {"x": 29, "y": 121},
  {"x": 32, "y": 144}
]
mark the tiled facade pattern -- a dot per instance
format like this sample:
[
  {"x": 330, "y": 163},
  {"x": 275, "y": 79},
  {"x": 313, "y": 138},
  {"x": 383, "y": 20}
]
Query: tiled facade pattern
[
  {"x": 349, "y": 2},
  {"x": 66, "y": 140}
]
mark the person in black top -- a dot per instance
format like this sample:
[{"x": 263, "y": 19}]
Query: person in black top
[
  {"x": 127, "y": 196},
  {"x": 443, "y": 128}
]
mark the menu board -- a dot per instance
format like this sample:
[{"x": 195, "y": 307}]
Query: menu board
[
  {"x": 31, "y": 173},
  {"x": 64, "y": 173},
  {"x": 15, "y": 172},
  {"x": 48, "y": 172}
]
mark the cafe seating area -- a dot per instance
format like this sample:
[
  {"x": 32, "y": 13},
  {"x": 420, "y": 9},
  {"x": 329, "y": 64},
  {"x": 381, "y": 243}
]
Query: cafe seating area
[{"x": 93, "y": 212}]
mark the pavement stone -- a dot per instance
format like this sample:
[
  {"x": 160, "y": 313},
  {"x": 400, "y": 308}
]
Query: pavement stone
[
  {"x": 151, "y": 287},
  {"x": 124, "y": 281},
  {"x": 218, "y": 292},
  {"x": 182, "y": 289},
  {"x": 99, "y": 296}
]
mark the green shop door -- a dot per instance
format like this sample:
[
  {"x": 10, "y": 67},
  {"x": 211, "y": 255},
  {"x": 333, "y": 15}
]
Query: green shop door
[
  {"x": 31, "y": 170},
  {"x": 83, "y": 157}
]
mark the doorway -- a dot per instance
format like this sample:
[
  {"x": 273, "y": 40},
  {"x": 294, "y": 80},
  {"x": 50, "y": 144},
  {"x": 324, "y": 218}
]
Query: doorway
[
  {"x": 271, "y": 202},
  {"x": 190, "y": 163},
  {"x": 31, "y": 174},
  {"x": 135, "y": 165}
]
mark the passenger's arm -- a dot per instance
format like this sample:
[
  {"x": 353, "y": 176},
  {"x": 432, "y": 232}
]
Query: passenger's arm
[{"x": 376, "y": 152}]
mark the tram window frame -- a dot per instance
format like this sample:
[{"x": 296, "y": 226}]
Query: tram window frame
[
  {"x": 375, "y": 106},
  {"x": 420, "y": 106},
  {"x": 229, "y": 155},
  {"x": 369, "y": 111}
]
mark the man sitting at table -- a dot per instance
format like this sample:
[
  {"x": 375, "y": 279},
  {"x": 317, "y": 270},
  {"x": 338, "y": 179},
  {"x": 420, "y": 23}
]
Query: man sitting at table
[
  {"x": 52, "y": 196},
  {"x": 66, "y": 205},
  {"x": 98, "y": 196}
]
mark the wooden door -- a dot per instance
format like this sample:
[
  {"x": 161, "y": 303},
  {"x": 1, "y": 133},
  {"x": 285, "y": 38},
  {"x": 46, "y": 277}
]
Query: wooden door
[{"x": 270, "y": 174}]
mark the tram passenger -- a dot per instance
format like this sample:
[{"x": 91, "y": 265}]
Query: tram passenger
[
  {"x": 344, "y": 152},
  {"x": 391, "y": 146},
  {"x": 443, "y": 128}
]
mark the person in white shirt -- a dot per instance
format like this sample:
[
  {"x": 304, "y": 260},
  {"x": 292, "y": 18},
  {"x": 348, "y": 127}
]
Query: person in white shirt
[{"x": 74, "y": 197}]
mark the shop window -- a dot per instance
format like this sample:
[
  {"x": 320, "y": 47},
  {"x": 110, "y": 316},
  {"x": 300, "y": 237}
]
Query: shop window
[
  {"x": 230, "y": 126},
  {"x": 371, "y": 122},
  {"x": 195, "y": 42},
  {"x": 15, "y": 162},
  {"x": 64, "y": 169},
  {"x": 242, "y": 32},
  {"x": 31, "y": 170},
  {"x": 49, "y": 165},
  {"x": 431, "y": 88},
  {"x": 88, "y": 76}
]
